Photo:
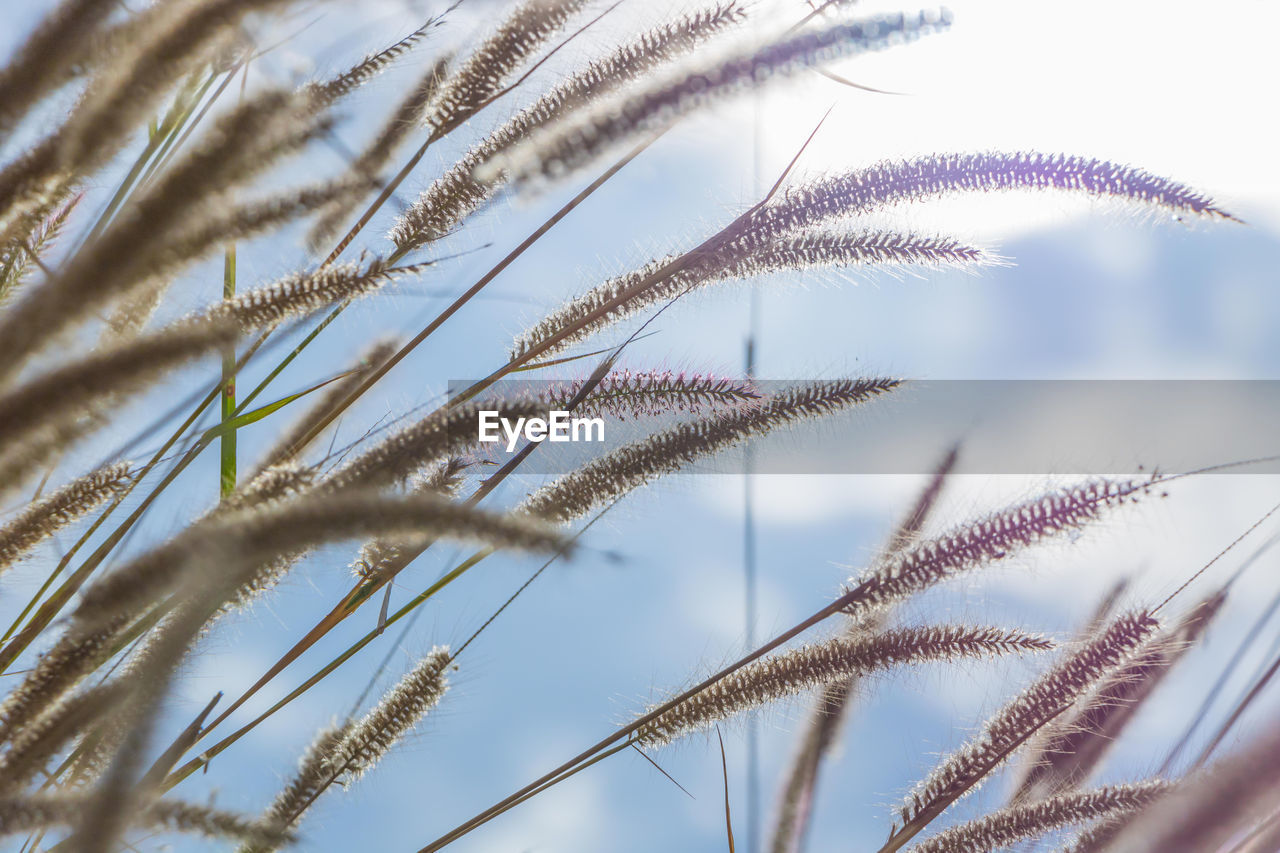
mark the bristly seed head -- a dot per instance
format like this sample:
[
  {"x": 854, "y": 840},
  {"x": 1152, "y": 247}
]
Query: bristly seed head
[{"x": 801, "y": 669}]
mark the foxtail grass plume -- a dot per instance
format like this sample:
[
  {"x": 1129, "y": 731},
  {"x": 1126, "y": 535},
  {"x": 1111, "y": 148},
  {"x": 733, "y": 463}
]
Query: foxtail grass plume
[
  {"x": 1008, "y": 826},
  {"x": 42, "y": 62},
  {"x": 792, "y": 672},
  {"x": 369, "y": 166},
  {"x": 344, "y": 753},
  {"x": 403, "y": 707},
  {"x": 21, "y": 255},
  {"x": 44, "y": 737},
  {"x": 244, "y": 143},
  {"x": 49, "y": 811},
  {"x": 986, "y": 540},
  {"x": 47, "y": 516},
  {"x": 1046, "y": 698},
  {"x": 1073, "y": 746},
  {"x": 312, "y": 778},
  {"x": 282, "y": 481},
  {"x": 73, "y": 656},
  {"x": 620, "y": 471},
  {"x": 629, "y": 294},
  {"x": 300, "y": 294},
  {"x": 458, "y": 193},
  {"x": 46, "y": 414},
  {"x": 624, "y": 394},
  {"x": 1214, "y": 808},
  {"x": 248, "y": 538},
  {"x": 832, "y": 704},
  {"x": 894, "y": 182},
  {"x": 383, "y": 558},
  {"x": 482, "y": 75},
  {"x": 445, "y": 432},
  {"x": 341, "y": 85},
  {"x": 568, "y": 145},
  {"x": 232, "y": 222}
]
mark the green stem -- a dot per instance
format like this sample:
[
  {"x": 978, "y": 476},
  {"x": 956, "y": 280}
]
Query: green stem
[{"x": 227, "y": 443}]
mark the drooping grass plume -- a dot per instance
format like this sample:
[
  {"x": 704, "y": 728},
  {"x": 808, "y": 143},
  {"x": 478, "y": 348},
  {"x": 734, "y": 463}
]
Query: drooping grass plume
[
  {"x": 792, "y": 672},
  {"x": 244, "y": 143},
  {"x": 1046, "y": 698},
  {"x": 299, "y": 294},
  {"x": 248, "y": 538},
  {"x": 244, "y": 220},
  {"x": 986, "y": 540},
  {"x": 41, "y": 416},
  {"x": 1095, "y": 838},
  {"x": 1071, "y": 748},
  {"x": 42, "y": 738},
  {"x": 23, "y": 254},
  {"x": 74, "y": 655},
  {"x": 459, "y": 193},
  {"x": 47, "y": 516},
  {"x": 45, "y": 811},
  {"x": 602, "y": 480},
  {"x": 894, "y": 182},
  {"x": 483, "y": 74},
  {"x": 277, "y": 482},
  {"x": 1008, "y": 826},
  {"x": 41, "y": 64},
  {"x": 161, "y": 45},
  {"x": 742, "y": 259},
  {"x": 624, "y": 394},
  {"x": 567, "y": 145}
]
